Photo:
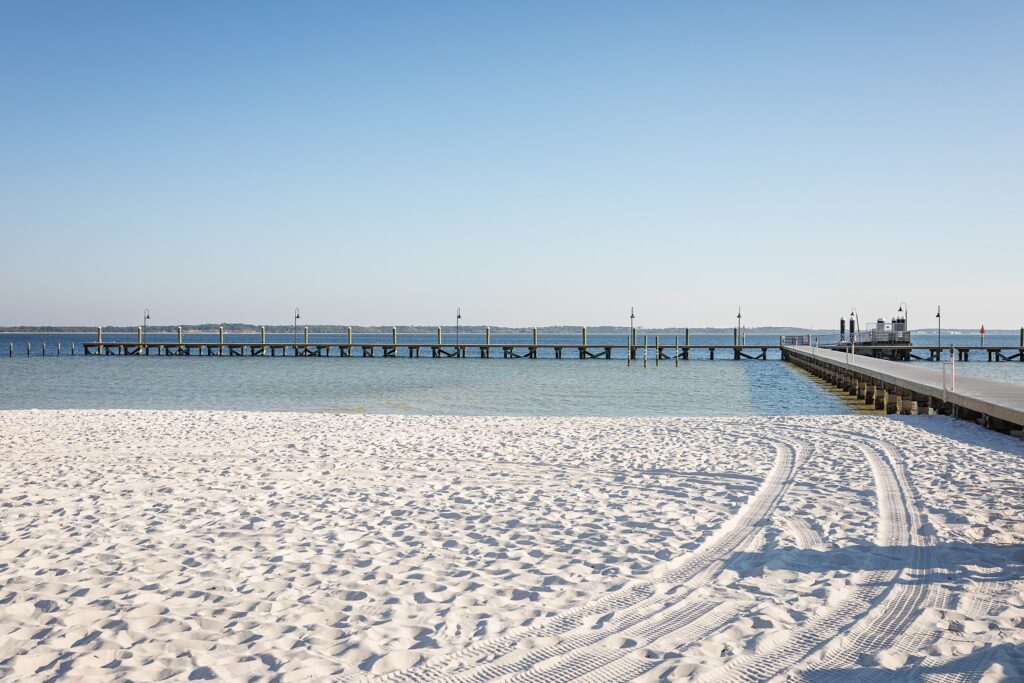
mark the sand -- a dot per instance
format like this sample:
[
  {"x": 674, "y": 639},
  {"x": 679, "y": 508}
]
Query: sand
[{"x": 178, "y": 545}]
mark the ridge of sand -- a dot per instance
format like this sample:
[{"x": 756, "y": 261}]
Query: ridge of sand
[{"x": 152, "y": 545}]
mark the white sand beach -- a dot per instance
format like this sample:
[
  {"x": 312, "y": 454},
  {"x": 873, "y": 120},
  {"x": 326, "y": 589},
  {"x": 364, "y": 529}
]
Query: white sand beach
[{"x": 178, "y": 545}]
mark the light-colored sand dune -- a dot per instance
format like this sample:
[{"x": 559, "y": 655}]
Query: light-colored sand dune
[{"x": 153, "y": 545}]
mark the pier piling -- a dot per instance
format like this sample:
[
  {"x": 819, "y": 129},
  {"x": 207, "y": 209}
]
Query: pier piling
[
  {"x": 181, "y": 338},
  {"x": 10, "y": 349},
  {"x": 28, "y": 351}
]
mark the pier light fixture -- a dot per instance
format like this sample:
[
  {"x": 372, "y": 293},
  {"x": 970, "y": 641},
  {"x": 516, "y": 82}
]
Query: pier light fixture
[
  {"x": 458, "y": 320},
  {"x": 295, "y": 327},
  {"x": 145, "y": 325},
  {"x": 938, "y": 314},
  {"x": 739, "y": 325},
  {"x": 904, "y": 312}
]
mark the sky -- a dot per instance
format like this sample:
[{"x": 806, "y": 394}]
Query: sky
[{"x": 532, "y": 163}]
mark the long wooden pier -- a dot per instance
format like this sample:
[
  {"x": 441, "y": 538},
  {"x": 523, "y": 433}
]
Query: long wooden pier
[
  {"x": 635, "y": 348},
  {"x": 911, "y": 389},
  {"x": 527, "y": 349}
]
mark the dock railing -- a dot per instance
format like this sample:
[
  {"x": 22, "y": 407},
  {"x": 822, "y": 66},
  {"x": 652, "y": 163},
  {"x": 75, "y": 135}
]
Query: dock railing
[{"x": 797, "y": 340}]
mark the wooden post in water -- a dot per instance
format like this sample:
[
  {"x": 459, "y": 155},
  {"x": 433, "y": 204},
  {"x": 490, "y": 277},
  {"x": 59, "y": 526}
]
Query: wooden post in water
[
  {"x": 28, "y": 351},
  {"x": 305, "y": 335},
  {"x": 181, "y": 337},
  {"x": 535, "y": 337},
  {"x": 687, "y": 343},
  {"x": 657, "y": 351},
  {"x": 222, "y": 339},
  {"x": 629, "y": 351},
  {"x": 99, "y": 335},
  {"x": 584, "y": 336},
  {"x": 58, "y": 348},
  {"x": 72, "y": 348},
  {"x": 645, "y": 350},
  {"x": 263, "y": 335},
  {"x": 439, "y": 335},
  {"x": 350, "y": 336},
  {"x": 487, "y": 336},
  {"x": 10, "y": 349},
  {"x": 677, "y": 350},
  {"x": 44, "y": 349},
  {"x": 394, "y": 337},
  {"x": 139, "y": 330}
]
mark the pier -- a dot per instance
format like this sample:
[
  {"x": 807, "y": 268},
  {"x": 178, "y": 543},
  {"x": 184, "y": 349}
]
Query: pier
[
  {"x": 655, "y": 352},
  {"x": 909, "y": 389},
  {"x": 634, "y": 348}
]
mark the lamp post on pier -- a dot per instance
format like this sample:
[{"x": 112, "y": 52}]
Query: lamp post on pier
[
  {"x": 632, "y": 334},
  {"x": 458, "y": 319},
  {"x": 905, "y": 310},
  {"x": 295, "y": 328},
  {"x": 853, "y": 334},
  {"x": 145, "y": 325},
  {"x": 938, "y": 314},
  {"x": 739, "y": 325}
]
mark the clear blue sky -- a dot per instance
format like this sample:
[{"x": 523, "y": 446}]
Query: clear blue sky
[{"x": 533, "y": 163}]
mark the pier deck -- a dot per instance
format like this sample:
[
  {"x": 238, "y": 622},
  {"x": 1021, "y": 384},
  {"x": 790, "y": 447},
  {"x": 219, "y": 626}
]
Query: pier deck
[{"x": 909, "y": 388}]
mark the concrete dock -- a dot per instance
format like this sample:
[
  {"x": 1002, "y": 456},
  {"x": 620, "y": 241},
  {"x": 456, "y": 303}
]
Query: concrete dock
[{"x": 911, "y": 389}]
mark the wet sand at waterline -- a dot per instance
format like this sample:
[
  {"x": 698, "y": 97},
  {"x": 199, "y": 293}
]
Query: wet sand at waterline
[{"x": 152, "y": 545}]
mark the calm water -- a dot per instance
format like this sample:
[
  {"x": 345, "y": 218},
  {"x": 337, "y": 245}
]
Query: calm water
[{"x": 424, "y": 385}]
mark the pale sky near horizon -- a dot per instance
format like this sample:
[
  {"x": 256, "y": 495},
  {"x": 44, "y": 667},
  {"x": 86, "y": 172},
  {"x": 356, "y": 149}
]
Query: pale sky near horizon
[{"x": 533, "y": 163}]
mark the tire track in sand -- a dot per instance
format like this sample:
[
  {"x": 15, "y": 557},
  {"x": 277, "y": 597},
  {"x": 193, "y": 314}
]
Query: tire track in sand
[
  {"x": 882, "y": 606},
  {"x": 657, "y": 606}
]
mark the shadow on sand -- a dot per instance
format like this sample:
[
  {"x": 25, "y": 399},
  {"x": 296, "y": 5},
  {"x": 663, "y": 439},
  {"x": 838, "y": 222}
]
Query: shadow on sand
[
  {"x": 964, "y": 432},
  {"x": 970, "y": 667},
  {"x": 954, "y": 561}
]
